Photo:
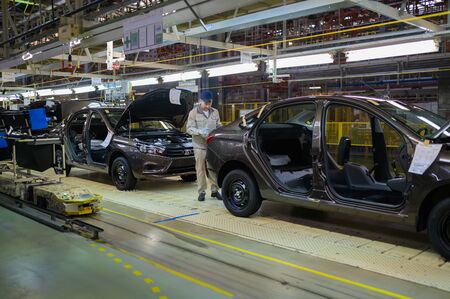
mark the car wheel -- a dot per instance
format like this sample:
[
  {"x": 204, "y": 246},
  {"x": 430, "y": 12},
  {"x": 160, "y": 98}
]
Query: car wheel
[
  {"x": 240, "y": 193},
  {"x": 59, "y": 167},
  {"x": 189, "y": 177},
  {"x": 122, "y": 175},
  {"x": 439, "y": 228}
]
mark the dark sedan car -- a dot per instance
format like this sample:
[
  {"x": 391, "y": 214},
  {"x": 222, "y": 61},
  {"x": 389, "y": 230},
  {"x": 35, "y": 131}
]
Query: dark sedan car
[
  {"x": 341, "y": 154},
  {"x": 135, "y": 142}
]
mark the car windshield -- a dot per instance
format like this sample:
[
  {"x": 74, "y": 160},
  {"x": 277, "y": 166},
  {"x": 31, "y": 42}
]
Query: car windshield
[
  {"x": 423, "y": 122},
  {"x": 114, "y": 116}
]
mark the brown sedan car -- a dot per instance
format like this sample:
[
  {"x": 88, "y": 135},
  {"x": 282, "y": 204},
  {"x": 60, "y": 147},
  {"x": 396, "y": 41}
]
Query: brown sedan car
[{"x": 342, "y": 154}]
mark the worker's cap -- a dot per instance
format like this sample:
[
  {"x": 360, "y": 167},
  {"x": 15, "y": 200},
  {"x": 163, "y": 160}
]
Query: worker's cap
[{"x": 206, "y": 96}]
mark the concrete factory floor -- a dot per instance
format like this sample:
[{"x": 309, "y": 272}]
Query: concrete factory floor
[{"x": 283, "y": 252}]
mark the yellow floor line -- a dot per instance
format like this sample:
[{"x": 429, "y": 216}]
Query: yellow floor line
[
  {"x": 269, "y": 258},
  {"x": 164, "y": 268}
]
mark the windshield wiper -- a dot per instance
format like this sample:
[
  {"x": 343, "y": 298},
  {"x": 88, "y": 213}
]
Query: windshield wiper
[{"x": 444, "y": 128}]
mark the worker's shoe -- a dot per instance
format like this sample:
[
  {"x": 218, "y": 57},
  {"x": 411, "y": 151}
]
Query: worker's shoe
[
  {"x": 217, "y": 195},
  {"x": 201, "y": 196}
]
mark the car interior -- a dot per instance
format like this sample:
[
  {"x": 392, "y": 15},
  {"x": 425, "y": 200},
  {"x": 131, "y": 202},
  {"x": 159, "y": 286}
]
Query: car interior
[
  {"x": 75, "y": 132},
  {"x": 98, "y": 134},
  {"x": 286, "y": 146},
  {"x": 384, "y": 183}
]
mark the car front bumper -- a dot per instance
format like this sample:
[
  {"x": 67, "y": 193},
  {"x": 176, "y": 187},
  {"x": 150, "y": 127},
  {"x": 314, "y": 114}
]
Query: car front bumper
[{"x": 146, "y": 165}]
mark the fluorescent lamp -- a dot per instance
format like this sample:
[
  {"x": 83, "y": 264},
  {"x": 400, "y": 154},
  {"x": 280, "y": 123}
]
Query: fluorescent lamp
[
  {"x": 172, "y": 78},
  {"x": 297, "y": 61},
  {"x": 75, "y": 42},
  {"x": 182, "y": 76},
  {"x": 232, "y": 69},
  {"x": 27, "y": 56},
  {"x": 146, "y": 81},
  {"x": 29, "y": 94},
  {"x": 315, "y": 87},
  {"x": 413, "y": 48},
  {"x": 62, "y": 92},
  {"x": 84, "y": 89},
  {"x": 44, "y": 92}
]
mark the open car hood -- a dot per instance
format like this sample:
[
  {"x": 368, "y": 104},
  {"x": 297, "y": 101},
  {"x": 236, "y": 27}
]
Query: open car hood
[{"x": 159, "y": 105}]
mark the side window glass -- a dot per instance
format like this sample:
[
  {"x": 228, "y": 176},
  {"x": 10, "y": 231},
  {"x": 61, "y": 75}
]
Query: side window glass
[{"x": 297, "y": 115}]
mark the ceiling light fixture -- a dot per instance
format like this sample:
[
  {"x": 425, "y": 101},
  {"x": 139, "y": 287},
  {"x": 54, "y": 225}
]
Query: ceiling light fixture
[
  {"x": 143, "y": 82},
  {"x": 298, "y": 61},
  {"x": 232, "y": 69},
  {"x": 413, "y": 48},
  {"x": 27, "y": 56},
  {"x": 44, "y": 92},
  {"x": 84, "y": 89},
  {"x": 62, "y": 92}
]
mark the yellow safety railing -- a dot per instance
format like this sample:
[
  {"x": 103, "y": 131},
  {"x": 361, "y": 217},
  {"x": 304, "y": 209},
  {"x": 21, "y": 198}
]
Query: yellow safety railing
[
  {"x": 359, "y": 133},
  {"x": 231, "y": 112}
]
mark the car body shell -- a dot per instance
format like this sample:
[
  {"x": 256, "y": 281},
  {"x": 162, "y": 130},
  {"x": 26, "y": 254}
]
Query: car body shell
[
  {"x": 143, "y": 165},
  {"x": 234, "y": 146}
]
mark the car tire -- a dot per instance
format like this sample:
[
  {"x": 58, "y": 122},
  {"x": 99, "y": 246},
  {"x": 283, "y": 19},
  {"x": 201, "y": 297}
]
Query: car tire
[
  {"x": 58, "y": 167},
  {"x": 188, "y": 178},
  {"x": 240, "y": 193},
  {"x": 122, "y": 175},
  {"x": 439, "y": 228}
]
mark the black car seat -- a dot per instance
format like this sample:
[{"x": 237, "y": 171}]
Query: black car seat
[{"x": 356, "y": 176}]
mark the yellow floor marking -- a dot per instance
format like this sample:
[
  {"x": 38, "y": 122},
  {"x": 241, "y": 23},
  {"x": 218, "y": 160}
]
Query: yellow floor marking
[
  {"x": 181, "y": 275},
  {"x": 272, "y": 259},
  {"x": 137, "y": 273}
]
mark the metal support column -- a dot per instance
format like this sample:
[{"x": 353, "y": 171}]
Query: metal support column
[{"x": 5, "y": 22}]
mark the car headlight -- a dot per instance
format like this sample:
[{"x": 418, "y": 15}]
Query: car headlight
[{"x": 151, "y": 149}]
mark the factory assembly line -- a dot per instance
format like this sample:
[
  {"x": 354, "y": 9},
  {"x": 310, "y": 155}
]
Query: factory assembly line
[{"x": 209, "y": 149}]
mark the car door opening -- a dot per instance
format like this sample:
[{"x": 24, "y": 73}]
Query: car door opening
[
  {"x": 98, "y": 135},
  {"x": 362, "y": 156},
  {"x": 285, "y": 141}
]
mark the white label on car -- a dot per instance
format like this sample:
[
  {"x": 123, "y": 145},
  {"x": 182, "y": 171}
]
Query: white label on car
[
  {"x": 424, "y": 156},
  {"x": 175, "y": 96}
]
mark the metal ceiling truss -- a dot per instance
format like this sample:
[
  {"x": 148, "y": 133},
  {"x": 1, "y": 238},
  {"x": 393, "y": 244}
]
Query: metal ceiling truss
[{"x": 177, "y": 12}]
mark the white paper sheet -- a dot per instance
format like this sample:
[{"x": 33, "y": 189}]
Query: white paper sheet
[
  {"x": 174, "y": 96},
  {"x": 424, "y": 156}
]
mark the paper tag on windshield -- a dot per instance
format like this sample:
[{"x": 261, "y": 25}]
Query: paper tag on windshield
[
  {"x": 175, "y": 96},
  {"x": 424, "y": 156}
]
